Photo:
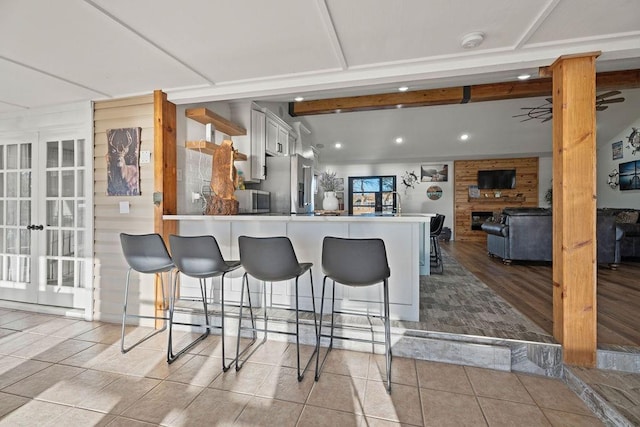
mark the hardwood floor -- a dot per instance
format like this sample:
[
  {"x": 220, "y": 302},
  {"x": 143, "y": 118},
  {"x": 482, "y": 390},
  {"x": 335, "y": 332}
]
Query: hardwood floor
[{"x": 528, "y": 287}]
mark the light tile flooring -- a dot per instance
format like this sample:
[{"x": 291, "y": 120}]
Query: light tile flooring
[{"x": 60, "y": 371}]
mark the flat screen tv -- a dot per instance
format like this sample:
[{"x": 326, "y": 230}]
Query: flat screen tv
[
  {"x": 629, "y": 177},
  {"x": 497, "y": 179}
]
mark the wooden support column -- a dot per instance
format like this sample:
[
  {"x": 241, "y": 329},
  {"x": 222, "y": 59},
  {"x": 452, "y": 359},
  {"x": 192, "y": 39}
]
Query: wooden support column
[
  {"x": 574, "y": 208},
  {"x": 164, "y": 177}
]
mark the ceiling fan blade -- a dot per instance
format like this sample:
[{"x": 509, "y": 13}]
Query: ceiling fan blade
[
  {"x": 547, "y": 119},
  {"x": 610, "y": 101},
  {"x": 608, "y": 94},
  {"x": 601, "y": 107}
]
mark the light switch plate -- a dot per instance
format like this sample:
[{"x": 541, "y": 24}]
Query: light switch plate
[
  {"x": 124, "y": 207},
  {"x": 145, "y": 157}
]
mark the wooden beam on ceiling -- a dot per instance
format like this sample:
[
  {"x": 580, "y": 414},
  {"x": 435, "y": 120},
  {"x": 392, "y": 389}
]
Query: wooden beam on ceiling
[{"x": 612, "y": 80}]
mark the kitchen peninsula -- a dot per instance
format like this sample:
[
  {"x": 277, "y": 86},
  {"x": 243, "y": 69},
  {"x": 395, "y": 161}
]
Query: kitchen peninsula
[{"x": 405, "y": 236}]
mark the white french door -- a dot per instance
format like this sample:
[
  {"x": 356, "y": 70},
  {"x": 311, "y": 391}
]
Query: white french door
[{"x": 43, "y": 199}]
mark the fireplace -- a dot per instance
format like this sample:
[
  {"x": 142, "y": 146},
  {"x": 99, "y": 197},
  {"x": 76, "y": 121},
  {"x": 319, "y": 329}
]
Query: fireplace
[{"x": 478, "y": 218}]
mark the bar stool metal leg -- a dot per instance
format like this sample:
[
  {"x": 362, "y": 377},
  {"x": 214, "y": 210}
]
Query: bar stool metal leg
[
  {"x": 245, "y": 280},
  {"x": 171, "y": 356},
  {"x": 123, "y": 348}
]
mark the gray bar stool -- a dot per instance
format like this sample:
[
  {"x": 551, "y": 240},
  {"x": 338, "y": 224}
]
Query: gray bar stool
[
  {"x": 272, "y": 259},
  {"x": 147, "y": 254},
  {"x": 355, "y": 262},
  {"x": 198, "y": 257}
]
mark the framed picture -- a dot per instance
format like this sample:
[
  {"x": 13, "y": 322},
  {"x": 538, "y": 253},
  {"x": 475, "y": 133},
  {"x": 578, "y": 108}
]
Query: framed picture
[
  {"x": 434, "y": 192},
  {"x": 474, "y": 192},
  {"x": 616, "y": 149},
  {"x": 434, "y": 173},
  {"x": 123, "y": 162},
  {"x": 629, "y": 175}
]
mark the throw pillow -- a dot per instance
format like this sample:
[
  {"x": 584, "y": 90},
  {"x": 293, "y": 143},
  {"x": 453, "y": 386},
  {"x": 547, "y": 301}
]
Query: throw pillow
[{"x": 628, "y": 217}]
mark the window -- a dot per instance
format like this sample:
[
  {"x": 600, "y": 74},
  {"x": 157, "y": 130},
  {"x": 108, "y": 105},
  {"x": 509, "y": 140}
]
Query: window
[{"x": 372, "y": 194}]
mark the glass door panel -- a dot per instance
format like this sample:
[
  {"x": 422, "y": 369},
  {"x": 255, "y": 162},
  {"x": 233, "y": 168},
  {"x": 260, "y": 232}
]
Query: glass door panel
[
  {"x": 42, "y": 221},
  {"x": 64, "y": 255},
  {"x": 15, "y": 215}
]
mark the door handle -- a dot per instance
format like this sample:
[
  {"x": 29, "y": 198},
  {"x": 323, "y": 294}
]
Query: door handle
[{"x": 35, "y": 227}]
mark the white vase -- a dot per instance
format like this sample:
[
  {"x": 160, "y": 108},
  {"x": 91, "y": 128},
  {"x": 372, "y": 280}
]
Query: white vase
[{"x": 330, "y": 201}]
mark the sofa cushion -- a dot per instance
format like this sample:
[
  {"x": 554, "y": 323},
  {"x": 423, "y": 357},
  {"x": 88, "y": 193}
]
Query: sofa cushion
[
  {"x": 630, "y": 230},
  {"x": 627, "y": 217}
]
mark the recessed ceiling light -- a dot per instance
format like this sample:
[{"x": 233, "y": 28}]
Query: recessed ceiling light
[
  {"x": 298, "y": 99},
  {"x": 403, "y": 88},
  {"x": 464, "y": 137},
  {"x": 399, "y": 140},
  {"x": 471, "y": 40},
  {"x": 338, "y": 110},
  {"x": 524, "y": 76},
  {"x": 338, "y": 145}
]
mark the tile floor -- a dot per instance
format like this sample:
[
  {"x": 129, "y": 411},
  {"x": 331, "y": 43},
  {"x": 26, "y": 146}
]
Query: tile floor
[{"x": 60, "y": 371}]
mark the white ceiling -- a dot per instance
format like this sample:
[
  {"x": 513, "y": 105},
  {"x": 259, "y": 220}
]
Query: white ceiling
[{"x": 55, "y": 52}]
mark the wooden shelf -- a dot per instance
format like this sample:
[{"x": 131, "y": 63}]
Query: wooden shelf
[
  {"x": 204, "y": 116},
  {"x": 497, "y": 199},
  {"x": 209, "y": 148}
]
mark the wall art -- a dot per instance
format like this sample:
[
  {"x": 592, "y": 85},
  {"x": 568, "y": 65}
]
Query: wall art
[
  {"x": 434, "y": 173},
  {"x": 434, "y": 192},
  {"x": 123, "y": 162},
  {"x": 616, "y": 149}
]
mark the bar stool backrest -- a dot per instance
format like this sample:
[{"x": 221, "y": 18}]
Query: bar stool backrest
[
  {"x": 146, "y": 253},
  {"x": 271, "y": 259},
  {"x": 355, "y": 262},
  {"x": 197, "y": 256},
  {"x": 436, "y": 225}
]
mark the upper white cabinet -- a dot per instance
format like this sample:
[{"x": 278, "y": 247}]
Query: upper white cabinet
[
  {"x": 277, "y": 135},
  {"x": 258, "y": 141},
  {"x": 252, "y": 118}
]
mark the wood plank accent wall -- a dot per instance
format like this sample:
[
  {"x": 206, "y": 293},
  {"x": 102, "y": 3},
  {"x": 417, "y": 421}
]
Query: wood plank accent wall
[
  {"x": 466, "y": 174},
  {"x": 110, "y": 268}
]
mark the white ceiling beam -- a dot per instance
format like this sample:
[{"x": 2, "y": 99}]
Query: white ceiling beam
[
  {"x": 537, "y": 22},
  {"x": 48, "y": 74},
  {"x": 325, "y": 15},
  {"x": 149, "y": 41}
]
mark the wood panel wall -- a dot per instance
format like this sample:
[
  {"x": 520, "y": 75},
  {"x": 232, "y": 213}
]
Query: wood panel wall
[
  {"x": 110, "y": 267},
  {"x": 466, "y": 174}
]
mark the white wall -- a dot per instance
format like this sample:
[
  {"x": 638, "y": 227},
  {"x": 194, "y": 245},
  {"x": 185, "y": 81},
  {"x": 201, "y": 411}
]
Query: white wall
[
  {"x": 414, "y": 200},
  {"x": 609, "y": 197},
  {"x": 545, "y": 174}
]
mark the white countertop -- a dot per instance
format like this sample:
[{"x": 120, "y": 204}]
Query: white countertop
[{"x": 408, "y": 217}]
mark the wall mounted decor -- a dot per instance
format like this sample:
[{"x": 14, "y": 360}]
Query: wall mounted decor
[
  {"x": 123, "y": 162},
  {"x": 434, "y": 173},
  {"x": 613, "y": 179},
  {"x": 629, "y": 175},
  {"x": 434, "y": 192},
  {"x": 634, "y": 141},
  {"x": 616, "y": 149},
  {"x": 409, "y": 179}
]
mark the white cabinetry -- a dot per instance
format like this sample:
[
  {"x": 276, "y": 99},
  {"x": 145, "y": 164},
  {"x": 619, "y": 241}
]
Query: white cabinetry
[
  {"x": 258, "y": 140},
  {"x": 277, "y": 135},
  {"x": 252, "y": 118}
]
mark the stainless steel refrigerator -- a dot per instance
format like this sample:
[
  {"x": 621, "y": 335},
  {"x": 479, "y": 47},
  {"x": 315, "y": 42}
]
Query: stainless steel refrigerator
[{"x": 289, "y": 180}]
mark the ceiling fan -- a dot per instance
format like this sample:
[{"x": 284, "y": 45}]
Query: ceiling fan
[{"x": 544, "y": 112}]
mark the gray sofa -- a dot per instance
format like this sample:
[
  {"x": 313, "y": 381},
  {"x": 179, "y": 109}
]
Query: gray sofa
[
  {"x": 522, "y": 234},
  {"x": 525, "y": 234},
  {"x": 627, "y": 223}
]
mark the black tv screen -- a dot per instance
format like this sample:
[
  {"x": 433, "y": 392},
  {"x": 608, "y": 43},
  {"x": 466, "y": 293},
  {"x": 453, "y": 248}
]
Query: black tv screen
[{"x": 497, "y": 179}]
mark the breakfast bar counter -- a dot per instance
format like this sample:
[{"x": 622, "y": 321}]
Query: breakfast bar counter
[{"x": 406, "y": 239}]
